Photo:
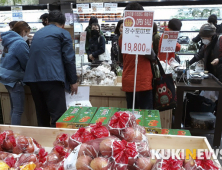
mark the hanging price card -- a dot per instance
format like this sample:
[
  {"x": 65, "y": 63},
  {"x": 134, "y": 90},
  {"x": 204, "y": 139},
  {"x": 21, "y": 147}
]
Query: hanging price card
[
  {"x": 17, "y": 13},
  {"x": 137, "y": 32},
  {"x": 169, "y": 41}
]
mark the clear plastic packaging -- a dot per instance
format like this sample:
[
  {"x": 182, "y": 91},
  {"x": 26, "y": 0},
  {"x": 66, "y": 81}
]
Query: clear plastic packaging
[
  {"x": 61, "y": 140},
  {"x": 168, "y": 164},
  {"x": 201, "y": 164}
]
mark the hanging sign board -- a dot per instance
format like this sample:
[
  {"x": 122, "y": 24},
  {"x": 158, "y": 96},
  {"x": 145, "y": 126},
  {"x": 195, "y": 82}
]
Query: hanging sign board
[
  {"x": 82, "y": 43},
  {"x": 137, "y": 32},
  {"x": 82, "y": 8},
  {"x": 110, "y": 7},
  {"x": 17, "y": 13},
  {"x": 169, "y": 41},
  {"x": 97, "y": 7}
]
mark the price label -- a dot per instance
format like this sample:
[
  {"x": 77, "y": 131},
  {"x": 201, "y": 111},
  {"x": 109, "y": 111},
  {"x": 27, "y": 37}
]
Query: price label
[
  {"x": 17, "y": 13},
  {"x": 82, "y": 8},
  {"x": 169, "y": 41},
  {"x": 82, "y": 43},
  {"x": 137, "y": 32}
]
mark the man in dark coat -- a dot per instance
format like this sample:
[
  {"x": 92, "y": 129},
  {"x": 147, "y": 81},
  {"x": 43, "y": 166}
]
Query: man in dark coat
[{"x": 50, "y": 66}]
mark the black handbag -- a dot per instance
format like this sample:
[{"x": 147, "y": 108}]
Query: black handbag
[{"x": 164, "y": 90}]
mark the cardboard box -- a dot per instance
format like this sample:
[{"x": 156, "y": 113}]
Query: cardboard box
[
  {"x": 73, "y": 115},
  {"x": 176, "y": 132},
  {"x": 84, "y": 118},
  {"x": 104, "y": 114},
  {"x": 152, "y": 122}
]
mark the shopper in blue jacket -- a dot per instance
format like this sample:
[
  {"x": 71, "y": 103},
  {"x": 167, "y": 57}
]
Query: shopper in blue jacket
[
  {"x": 12, "y": 67},
  {"x": 51, "y": 63}
]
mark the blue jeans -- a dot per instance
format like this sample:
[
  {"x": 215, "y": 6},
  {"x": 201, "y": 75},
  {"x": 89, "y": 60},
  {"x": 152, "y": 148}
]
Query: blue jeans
[{"x": 17, "y": 99}]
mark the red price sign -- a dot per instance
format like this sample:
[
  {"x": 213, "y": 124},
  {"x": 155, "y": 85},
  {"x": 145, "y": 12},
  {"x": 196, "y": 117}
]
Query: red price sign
[
  {"x": 137, "y": 32},
  {"x": 169, "y": 41}
]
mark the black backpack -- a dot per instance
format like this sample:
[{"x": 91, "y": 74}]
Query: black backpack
[{"x": 196, "y": 103}]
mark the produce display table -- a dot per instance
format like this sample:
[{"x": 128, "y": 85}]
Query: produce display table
[
  {"x": 100, "y": 96},
  {"x": 207, "y": 85},
  {"x": 46, "y": 137}
]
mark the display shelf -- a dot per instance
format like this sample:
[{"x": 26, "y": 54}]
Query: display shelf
[
  {"x": 111, "y": 21},
  {"x": 185, "y": 19},
  {"x": 186, "y": 53},
  {"x": 189, "y": 31},
  {"x": 68, "y": 26}
]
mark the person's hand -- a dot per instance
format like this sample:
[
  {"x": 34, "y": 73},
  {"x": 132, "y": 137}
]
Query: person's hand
[
  {"x": 215, "y": 62},
  {"x": 74, "y": 88},
  {"x": 91, "y": 57}
]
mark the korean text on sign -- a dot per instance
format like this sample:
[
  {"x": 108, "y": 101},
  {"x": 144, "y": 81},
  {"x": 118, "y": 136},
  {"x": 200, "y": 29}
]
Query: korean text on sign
[
  {"x": 169, "y": 41},
  {"x": 137, "y": 32}
]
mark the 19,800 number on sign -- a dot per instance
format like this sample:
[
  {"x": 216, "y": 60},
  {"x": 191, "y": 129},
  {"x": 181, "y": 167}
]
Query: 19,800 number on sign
[{"x": 136, "y": 47}]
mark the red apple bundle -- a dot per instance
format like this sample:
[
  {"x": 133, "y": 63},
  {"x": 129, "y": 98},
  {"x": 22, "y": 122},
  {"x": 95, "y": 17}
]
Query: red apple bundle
[{"x": 18, "y": 144}]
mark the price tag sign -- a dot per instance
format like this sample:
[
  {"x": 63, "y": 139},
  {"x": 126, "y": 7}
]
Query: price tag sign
[
  {"x": 17, "y": 13},
  {"x": 137, "y": 32},
  {"x": 97, "y": 7},
  {"x": 110, "y": 7},
  {"x": 169, "y": 41},
  {"x": 82, "y": 8},
  {"x": 82, "y": 43}
]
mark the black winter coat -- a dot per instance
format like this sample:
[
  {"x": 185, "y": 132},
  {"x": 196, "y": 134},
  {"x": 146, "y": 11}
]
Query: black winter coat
[{"x": 96, "y": 47}]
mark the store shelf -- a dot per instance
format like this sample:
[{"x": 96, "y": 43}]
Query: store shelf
[
  {"x": 111, "y": 21},
  {"x": 27, "y": 22},
  {"x": 186, "y": 53},
  {"x": 68, "y": 26},
  {"x": 188, "y": 31},
  {"x": 185, "y": 19}
]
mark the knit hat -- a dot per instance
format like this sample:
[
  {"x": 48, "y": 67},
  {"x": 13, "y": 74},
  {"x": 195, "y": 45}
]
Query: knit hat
[
  {"x": 207, "y": 30},
  {"x": 175, "y": 24}
]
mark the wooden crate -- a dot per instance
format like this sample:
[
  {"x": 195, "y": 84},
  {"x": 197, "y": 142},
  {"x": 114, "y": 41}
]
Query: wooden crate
[
  {"x": 166, "y": 119},
  {"x": 46, "y": 137}
]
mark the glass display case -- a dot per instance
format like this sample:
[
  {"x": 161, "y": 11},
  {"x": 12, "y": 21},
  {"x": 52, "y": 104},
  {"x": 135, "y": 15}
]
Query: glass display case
[{"x": 192, "y": 17}]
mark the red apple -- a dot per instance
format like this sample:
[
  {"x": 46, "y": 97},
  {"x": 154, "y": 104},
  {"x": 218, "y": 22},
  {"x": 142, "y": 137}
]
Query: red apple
[
  {"x": 99, "y": 163},
  {"x": 83, "y": 163}
]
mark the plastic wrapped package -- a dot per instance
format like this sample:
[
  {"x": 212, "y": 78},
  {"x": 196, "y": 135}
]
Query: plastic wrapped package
[
  {"x": 18, "y": 144},
  {"x": 81, "y": 136},
  {"x": 108, "y": 153},
  {"x": 124, "y": 126},
  {"x": 168, "y": 164},
  {"x": 98, "y": 130},
  {"x": 25, "y": 159},
  {"x": 26, "y": 145},
  {"x": 7, "y": 140},
  {"x": 61, "y": 140},
  {"x": 57, "y": 155},
  {"x": 201, "y": 164},
  {"x": 120, "y": 121},
  {"x": 87, "y": 134}
]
